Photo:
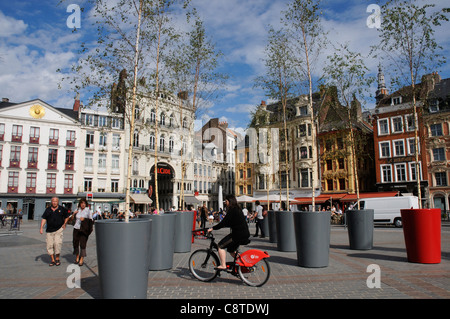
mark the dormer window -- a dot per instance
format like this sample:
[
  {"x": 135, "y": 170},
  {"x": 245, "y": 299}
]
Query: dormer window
[
  {"x": 434, "y": 106},
  {"x": 396, "y": 100}
]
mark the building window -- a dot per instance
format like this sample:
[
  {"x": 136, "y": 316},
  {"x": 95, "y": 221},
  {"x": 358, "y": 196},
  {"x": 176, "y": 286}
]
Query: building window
[
  {"x": 13, "y": 182},
  {"x": 88, "y": 184},
  {"x": 439, "y": 154},
  {"x": 441, "y": 178},
  {"x": 53, "y": 136},
  {"x": 34, "y": 134},
  {"x": 102, "y": 163},
  {"x": 115, "y": 164},
  {"x": 90, "y": 140},
  {"x": 136, "y": 139},
  {"x": 329, "y": 184},
  {"x": 52, "y": 158},
  {"x": 162, "y": 119},
  {"x": 399, "y": 148},
  {"x": 162, "y": 142},
  {"x": 32, "y": 157},
  {"x": 70, "y": 138},
  {"x": 17, "y": 133},
  {"x": 385, "y": 149},
  {"x": 397, "y": 124},
  {"x": 409, "y": 122},
  {"x": 341, "y": 163},
  {"x": 329, "y": 165},
  {"x": 383, "y": 127},
  {"x": 152, "y": 142},
  {"x": 114, "y": 186},
  {"x": 68, "y": 181},
  {"x": 102, "y": 140},
  {"x": 396, "y": 100},
  {"x": 303, "y": 152},
  {"x": 304, "y": 177},
  {"x": 434, "y": 106},
  {"x": 400, "y": 172},
  {"x": 70, "y": 157},
  {"x": 2, "y": 131},
  {"x": 412, "y": 145},
  {"x": 51, "y": 183},
  {"x": 342, "y": 184},
  {"x": 386, "y": 173},
  {"x": 171, "y": 145},
  {"x": 88, "y": 162},
  {"x": 31, "y": 183},
  {"x": 15, "y": 156},
  {"x": 412, "y": 171},
  {"x": 436, "y": 129},
  {"x": 152, "y": 116}
]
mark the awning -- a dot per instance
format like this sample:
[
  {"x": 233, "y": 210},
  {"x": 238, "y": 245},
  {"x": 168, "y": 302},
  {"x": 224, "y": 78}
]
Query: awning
[
  {"x": 353, "y": 197},
  {"x": 141, "y": 199},
  {"x": 322, "y": 198},
  {"x": 190, "y": 199}
]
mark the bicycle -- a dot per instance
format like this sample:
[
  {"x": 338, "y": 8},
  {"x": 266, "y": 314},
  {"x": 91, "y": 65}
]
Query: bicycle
[{"x": 251, "y": 266}]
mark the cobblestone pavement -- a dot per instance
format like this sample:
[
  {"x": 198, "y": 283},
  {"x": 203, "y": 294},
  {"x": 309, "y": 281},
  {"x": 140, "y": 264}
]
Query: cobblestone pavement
[{"x": 25, "y": 274}]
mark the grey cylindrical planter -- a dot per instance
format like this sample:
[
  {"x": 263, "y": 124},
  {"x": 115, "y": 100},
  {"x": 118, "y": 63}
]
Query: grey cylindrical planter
[
  {"x": 162, "y": 240},
  {"x": 183, "y": 231},
  {"x": 122, "y": 257},
  {"x": 312, "y": 232},
  {"x": 265, "y": 226},
  {"x": 360, "y": 229},
  {"x": 285, "y": 231},
  {"x": 271, "y": 220}
]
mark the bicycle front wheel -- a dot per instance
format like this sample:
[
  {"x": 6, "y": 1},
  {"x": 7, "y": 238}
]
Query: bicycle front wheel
[
  {"x": 202, "y": 263},
  {"x": 257, "y": 275}
]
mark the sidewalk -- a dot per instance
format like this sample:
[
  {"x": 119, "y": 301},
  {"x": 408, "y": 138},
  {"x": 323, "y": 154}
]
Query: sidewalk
[{"x": 25, "y": 274}]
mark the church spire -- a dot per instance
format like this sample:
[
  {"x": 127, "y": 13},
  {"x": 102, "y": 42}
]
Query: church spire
[{"x": 382, "y": 90}]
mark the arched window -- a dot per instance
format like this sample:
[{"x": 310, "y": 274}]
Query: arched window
[
  {"x": 153, "y": 116},
  {"x": 185, "y": 125},
  {"x": 162, "y": 119},
  {"x": 152, "y": 141},
  {"x": 162, "y": 141},
  {"x": 136, "y": 139},
  {"x": 171, "y": 120},
  {"x": 171, "y": 143}
]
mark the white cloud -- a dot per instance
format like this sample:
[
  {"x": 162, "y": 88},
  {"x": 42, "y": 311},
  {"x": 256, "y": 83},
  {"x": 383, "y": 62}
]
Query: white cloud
[{"x": 10, "y": 26}]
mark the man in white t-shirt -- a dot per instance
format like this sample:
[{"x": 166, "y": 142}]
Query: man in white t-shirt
[
  {"x": 245, "y": 212},
  {"x": 259, "y": 218}
]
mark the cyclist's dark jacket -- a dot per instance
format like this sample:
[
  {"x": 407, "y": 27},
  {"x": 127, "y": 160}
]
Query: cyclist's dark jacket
[{"x": 236, "y": 221}]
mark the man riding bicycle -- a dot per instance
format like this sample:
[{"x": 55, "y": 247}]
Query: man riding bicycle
[{"x": 239, "y": 230}]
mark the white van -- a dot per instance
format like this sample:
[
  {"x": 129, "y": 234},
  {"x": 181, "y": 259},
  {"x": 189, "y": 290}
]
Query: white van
[{"x": 387, "y": 209}]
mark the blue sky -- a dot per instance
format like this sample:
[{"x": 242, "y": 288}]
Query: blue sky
[{"x": 35, "y": 41}]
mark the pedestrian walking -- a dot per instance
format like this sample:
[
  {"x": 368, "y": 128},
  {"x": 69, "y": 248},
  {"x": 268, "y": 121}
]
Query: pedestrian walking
[
  {"x": 80, "y": 231},
  {"x": 259, "y": 218},
  {"x": 203, "y": 216},
  {"x": 55, "y": 218}
]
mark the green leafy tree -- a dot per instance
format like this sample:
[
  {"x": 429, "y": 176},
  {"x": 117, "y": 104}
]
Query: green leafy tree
[
  {"x": 346, "y": 71},
  {"x": 407, "y": 38},
  {"x": 303, "y": 22}
]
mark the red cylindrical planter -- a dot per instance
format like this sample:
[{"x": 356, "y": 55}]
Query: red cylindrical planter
[{"x": 422, "y": 232}]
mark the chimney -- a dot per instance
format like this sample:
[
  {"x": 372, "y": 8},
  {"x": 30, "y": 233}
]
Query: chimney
[
  {"x": 5, "y": 99},
  {"x": 76, "y": 104}
]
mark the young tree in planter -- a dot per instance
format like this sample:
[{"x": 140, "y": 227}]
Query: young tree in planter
[
  {"x": 130, "y": 38},
  {"x": 347, "y": 72},
  {"x": 407, "y": 38},
  {"x": 192, "y": 66},
  {"x": 280, "y": 82},
  {"x": 303, "y": 21}
]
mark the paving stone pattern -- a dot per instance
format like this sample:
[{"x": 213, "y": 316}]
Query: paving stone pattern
[{"x": 25, "y": 274}]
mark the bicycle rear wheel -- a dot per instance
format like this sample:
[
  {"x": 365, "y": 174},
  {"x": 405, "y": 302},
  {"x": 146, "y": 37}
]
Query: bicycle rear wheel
[
  {"x": 257, "y": 275},
  {"x": 202, "y": 263}
]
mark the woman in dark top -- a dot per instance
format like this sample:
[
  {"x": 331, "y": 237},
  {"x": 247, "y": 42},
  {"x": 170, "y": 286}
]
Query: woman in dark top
[{"x": 239, "y": 230}]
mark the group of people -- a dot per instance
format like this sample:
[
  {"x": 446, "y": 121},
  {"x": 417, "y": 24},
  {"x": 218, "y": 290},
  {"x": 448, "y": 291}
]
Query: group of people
[{"x": 55, "y": 219}]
